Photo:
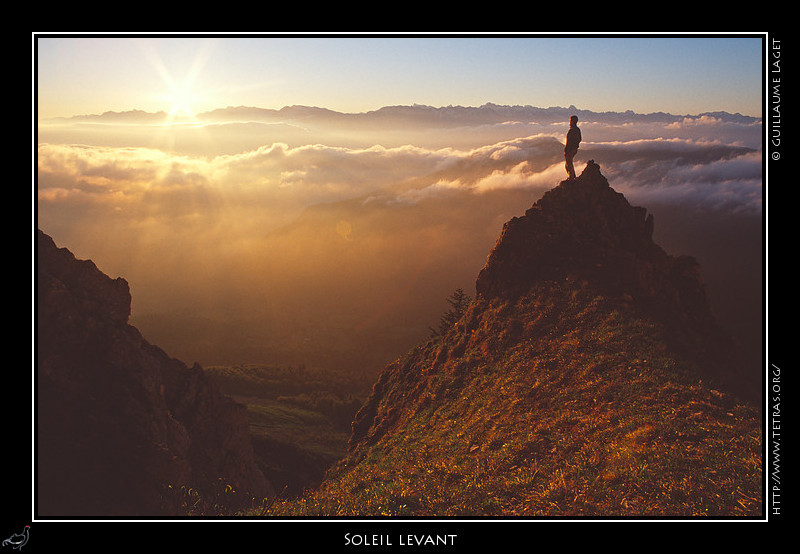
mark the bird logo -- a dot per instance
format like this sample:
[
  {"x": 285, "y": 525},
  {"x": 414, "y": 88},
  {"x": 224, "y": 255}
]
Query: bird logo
[{"x": 18, "y": 540}]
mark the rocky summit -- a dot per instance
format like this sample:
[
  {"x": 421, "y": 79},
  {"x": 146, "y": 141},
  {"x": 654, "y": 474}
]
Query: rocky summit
[
  {"x": 122, "y": 429},
  {"x": 586, "y": 378},
  {"x": 586, "y": 233}
]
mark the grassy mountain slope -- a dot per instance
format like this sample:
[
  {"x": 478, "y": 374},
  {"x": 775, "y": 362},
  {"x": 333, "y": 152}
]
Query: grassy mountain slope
[{"x": 563, "y": 403}]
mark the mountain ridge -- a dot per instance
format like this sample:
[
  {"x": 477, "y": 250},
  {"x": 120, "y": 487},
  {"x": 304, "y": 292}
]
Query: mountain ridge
[
  {"x": 486, "y": 113},
  {"x": 565, "y": 389},
  {"x": 585, "y": 234}
]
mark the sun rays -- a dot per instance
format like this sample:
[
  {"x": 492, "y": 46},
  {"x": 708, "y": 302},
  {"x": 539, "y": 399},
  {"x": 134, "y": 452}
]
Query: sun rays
[{"x": 183, "y": 92}]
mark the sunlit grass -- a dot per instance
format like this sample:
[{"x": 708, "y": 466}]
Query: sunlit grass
[{"x": 561, "y": 423}]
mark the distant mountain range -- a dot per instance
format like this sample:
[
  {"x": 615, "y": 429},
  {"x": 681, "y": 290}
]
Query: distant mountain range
[{"x": 444, "y": 116}]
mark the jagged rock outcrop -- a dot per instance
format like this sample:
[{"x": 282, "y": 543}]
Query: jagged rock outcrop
[
  {"x": 585, "y": 232},
  {"x": 121, "y": 426}
]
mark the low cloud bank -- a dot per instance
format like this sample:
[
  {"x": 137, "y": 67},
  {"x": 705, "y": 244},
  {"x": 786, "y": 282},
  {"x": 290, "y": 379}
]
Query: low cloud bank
[{"x": 346, "y": 227}]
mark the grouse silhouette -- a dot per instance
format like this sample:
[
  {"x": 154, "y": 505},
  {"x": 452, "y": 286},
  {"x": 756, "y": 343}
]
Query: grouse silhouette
[{"x": 17, "y": 541}]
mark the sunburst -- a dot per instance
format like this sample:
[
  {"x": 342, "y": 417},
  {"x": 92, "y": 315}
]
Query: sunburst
[{"x": 181, "y": 97}]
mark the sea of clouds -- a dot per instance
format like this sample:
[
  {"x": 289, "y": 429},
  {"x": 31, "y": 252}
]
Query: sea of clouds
[
  {"x": 182, "y": 209},
  {"x": 147, "y": 171}
]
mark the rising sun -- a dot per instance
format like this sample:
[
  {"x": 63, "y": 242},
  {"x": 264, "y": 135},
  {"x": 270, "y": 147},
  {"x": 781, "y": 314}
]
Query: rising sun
[
  {"x": 180, "y": 97},
  {"x": 181, "y": 100}
]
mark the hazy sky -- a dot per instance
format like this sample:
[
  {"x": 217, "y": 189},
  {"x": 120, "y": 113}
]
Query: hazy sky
[{"x": 685, "y": 75}]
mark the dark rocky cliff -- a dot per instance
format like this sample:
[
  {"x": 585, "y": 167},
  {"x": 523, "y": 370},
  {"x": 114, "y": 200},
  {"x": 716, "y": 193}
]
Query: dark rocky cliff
[{"x": 121, "y": 426}]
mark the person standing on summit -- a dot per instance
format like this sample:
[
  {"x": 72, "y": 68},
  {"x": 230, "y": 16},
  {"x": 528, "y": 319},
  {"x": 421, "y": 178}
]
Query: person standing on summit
[{"x": 573, "y": 140}]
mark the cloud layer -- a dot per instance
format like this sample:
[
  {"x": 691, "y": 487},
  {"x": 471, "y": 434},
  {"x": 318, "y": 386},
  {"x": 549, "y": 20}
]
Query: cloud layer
[{"x": 269, "y": 219}]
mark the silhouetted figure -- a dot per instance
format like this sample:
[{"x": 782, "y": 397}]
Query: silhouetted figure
[{"x": 573, "y": 140}]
